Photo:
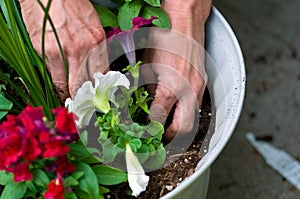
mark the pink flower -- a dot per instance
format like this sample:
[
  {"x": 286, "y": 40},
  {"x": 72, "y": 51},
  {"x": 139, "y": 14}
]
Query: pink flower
[
  {"x": 21, "y": 172},
  {"x": 55, "y": 189}
]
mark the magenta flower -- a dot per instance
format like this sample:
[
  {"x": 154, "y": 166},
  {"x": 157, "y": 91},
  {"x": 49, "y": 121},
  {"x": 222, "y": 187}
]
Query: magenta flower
[
  {"x": 126, "y": 37},
  {"x": 137, "y": 22}
]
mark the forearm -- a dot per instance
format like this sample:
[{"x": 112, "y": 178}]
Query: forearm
[{"x": 188, "y": 16}]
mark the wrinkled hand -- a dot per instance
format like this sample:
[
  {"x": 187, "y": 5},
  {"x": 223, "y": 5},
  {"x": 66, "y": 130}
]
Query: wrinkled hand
[
  {"x": 79, "y": 30},
  {"x": 177, "y": 63}
]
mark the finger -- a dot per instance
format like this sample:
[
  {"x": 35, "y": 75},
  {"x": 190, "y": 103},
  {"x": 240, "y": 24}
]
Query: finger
[
  {"x": 184, "y": 117},
  {"x": 57, "y": 72},
  {"x": 162, "y": 104}
]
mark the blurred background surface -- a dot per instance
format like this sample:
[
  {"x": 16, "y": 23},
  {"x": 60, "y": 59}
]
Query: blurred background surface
[{"x": 269, "y": 35}]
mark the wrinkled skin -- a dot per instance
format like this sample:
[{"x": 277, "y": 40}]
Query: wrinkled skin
[
  {"x": 79, "y": 30},
  {"x": 181, "y": 83}
]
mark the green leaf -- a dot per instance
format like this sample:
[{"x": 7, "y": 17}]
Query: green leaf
[
  {"x": 84, "y": 138},
  {"x": 5, "y": 178},
  {"x": 155, "y": 3},
  {"x": 40, "y": 177},
  {"x": 143, "y": 154},
  {"x": 81, "y": 153},
  {"x": 151, "y": 149},
  {"x": 70, "y": 195},
  {"x": 155, "y": 128},
  {"x": 135, "y": 144},
  {"x": 107, "y": 175},
  {"x": 70, "y": 181},
  {"x": 5, "y": 104},
  {"x": 156, "y": 161},
  {"x": 78, "y": 174},
  {"x": 14, "y": 190},
  {"x": 103, "y": 190},
  {"x": 88, "y": 183},
  {"x": 162, "y": 20},
  {"x": 127, "y": 12},
  {"x": 107, "y": 17},
  {"x": 110, "y": 151},
  {"x": 31, "y": 189}
]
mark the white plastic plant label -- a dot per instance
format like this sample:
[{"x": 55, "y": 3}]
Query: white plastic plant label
[{"x": 278, "y": 159}]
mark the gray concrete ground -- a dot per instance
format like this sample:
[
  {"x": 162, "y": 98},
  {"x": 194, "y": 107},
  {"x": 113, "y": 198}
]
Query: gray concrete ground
[{"x": 269, "y": 34}]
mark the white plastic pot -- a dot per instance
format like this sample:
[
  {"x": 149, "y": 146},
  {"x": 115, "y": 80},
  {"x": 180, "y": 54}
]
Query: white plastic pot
[{"x": 226, "y": 83}]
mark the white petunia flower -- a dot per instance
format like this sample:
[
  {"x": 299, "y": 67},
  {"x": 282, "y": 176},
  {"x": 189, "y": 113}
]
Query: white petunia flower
[
  {"x": 137, "y": 179},
  {"x": 91, "y": 98}
]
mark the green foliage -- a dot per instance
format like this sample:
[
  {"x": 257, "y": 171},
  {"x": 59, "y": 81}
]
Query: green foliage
[
  {"x": 162, "y": 20},
  {"x": 87, "y": 183},
  {"x": 14, "y": 190},
  {"x": 5, "y": 106},
  {"x": 154, "y": 3},
  {"x": 117, "y": 129},
  {"x": 129, "y": 9},
  {"x": 107, "y": 17},
  {"x": 107, "y": 175},
  {"x": 40, "y": 178},
  {"x": 5, "y": 178},
  {"x": 127, "y": 12}
]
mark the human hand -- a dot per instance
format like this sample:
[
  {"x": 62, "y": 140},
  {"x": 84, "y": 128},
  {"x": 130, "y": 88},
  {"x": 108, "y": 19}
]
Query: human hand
[
  {"x": 80, "y": 32},
  {"x": 177, "y": 63}
]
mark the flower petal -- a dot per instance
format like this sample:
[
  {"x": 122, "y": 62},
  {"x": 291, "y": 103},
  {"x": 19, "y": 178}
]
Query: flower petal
[
  {"x": 137, "y": 179},
  {"x": 88, "y": 98},
  {"x": 110, "y": 79},
  {"x": 83, "y": 105},
  {"x": 140, "y": 21}
]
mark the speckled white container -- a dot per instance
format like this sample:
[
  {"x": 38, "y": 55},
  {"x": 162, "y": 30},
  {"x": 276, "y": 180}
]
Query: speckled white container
[{"x": 226, "y": 83}]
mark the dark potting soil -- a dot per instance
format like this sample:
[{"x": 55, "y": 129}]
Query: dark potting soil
[{"x": 182, "y": 165}]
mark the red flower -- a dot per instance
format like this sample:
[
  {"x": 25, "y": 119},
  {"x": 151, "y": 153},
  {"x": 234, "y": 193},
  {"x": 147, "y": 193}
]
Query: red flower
[
  {"x": 63, "y": 166},
  {"x": 31, "y": 149},
  {"x": 55, "y": 148},
  {"x": 10, "y": 149},
  {"x": 21, "y": 172},
  {"x": 55, "y": 189},
  {"x": 65, "y": 121},
  {"x": 32, "y": 120}
]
